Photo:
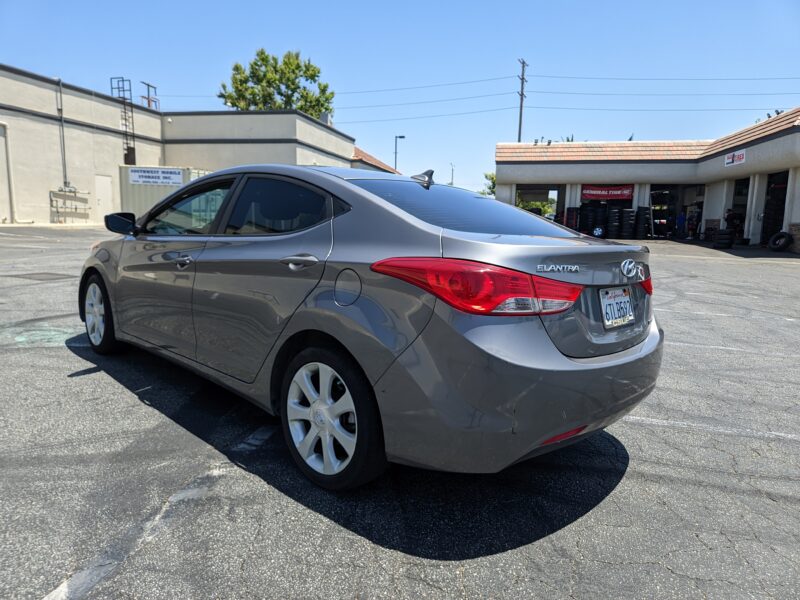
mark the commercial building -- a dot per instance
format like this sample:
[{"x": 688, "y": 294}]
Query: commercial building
[
  {"x": 61, "y": 147},
  {"x": 754, "y": 172}
]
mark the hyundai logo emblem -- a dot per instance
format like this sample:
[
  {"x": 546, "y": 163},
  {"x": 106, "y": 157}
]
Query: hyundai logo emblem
[{"x": 628, "y": 267}]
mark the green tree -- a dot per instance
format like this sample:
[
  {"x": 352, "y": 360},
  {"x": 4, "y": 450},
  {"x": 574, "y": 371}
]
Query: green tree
[
  {"x": 270, "y": 83},
  {"x": 545, "y": 206},
  {"x": 490, "y": 185}
]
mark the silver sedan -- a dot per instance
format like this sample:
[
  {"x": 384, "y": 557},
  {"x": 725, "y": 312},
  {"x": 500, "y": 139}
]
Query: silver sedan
[{"x": 384, "y": 318}]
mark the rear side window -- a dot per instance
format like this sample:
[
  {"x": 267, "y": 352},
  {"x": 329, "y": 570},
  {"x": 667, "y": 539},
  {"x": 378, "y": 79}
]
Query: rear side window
[
  {"x": 461, "y": 210},
  {"x": 274, "y": 206}
]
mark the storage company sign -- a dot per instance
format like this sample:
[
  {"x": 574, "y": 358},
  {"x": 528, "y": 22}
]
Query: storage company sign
[
  {"x": 734, "y": 158},
  {"x": 156, "y": 176}
]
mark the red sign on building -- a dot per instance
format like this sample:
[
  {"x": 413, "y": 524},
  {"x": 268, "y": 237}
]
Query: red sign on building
[{"x": 607, "y": 192}]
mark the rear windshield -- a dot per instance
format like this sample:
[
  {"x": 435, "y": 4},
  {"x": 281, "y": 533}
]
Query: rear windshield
[{"x": 462, "y": 210}]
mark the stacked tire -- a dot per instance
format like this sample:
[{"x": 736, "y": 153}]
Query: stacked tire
[
  {"x": 724, "y": 238},
  {"x": 586, "y": 219},
  {"x": 642, "y": 222},
  {"x": 627, "y": 223},
  {"x": 600, "y": 221},
  {"x": 572, "y": 218},
  {"x": 614, "y": 215}
]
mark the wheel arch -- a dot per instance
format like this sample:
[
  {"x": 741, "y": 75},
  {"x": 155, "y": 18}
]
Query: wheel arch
[
  {"x": 293, "y": 345},
  {"x": 82, "y": 288}
]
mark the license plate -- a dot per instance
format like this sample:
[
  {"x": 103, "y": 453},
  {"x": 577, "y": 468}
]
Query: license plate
[{"x": 616, "y": 306}]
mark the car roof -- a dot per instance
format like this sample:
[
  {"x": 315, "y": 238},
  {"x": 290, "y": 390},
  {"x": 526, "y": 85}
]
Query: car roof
[
  {"x": 344, "y": 173},
  {"x": 348, "y": 173}
]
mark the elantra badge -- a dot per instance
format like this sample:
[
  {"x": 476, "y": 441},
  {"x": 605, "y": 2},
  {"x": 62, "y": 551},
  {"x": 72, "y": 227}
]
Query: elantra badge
[{"x": 557, "y": 268}]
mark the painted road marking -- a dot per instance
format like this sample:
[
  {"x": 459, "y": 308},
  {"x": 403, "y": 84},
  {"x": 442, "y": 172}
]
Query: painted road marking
[
  {"x": 255, "y": 439},
  {"x": 764, "y": 435},
  {"x": 683, "y": 312},
  {"x": 728, "y": 349},
  {"x": 79, "y": 584}
]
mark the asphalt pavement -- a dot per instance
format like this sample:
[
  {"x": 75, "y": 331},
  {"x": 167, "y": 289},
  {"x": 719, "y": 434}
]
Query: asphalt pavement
[{"x": 128, "y": 477}]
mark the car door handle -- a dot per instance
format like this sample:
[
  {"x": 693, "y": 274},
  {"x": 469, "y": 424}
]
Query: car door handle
[
  {"x": 300, "y": 261},
  {"x": 183, "y": 261}
]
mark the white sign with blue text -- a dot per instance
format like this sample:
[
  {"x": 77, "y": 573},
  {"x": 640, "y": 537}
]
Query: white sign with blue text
[{"x": 155, "y": 176}]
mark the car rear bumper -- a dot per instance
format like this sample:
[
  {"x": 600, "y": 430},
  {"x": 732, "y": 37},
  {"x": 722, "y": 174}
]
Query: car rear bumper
[{"x": 476, "y": 394}]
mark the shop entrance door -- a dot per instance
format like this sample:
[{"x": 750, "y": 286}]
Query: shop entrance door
[{"x": 772, "y": 220}]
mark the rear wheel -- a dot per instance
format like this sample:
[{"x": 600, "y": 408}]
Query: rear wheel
[
  {"x": 330, "y": 420},
  {"x": 97, "y": 316}
]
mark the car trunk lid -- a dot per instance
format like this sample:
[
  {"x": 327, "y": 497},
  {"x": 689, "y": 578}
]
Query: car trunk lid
[{"x": 581, "y": 331}]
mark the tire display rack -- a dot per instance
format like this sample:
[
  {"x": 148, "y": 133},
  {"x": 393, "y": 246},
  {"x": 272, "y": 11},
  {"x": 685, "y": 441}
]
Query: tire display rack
[{"x": 612, "y": 221}]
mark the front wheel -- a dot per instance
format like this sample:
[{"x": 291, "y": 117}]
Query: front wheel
[
  {"x": 97, "y": 316},
  {"x": 330, "y": 420}
]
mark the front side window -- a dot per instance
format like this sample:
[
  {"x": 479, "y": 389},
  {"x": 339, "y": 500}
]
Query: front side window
[
  {"x": 193, "y": 214},
  {"x": 275, "y": 206}
]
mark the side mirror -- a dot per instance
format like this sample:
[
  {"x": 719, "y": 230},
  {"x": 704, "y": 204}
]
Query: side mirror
[{"x": 123, "y": 222}]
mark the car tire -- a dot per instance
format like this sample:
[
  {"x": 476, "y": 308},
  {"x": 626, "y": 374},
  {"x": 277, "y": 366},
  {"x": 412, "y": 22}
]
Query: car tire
[
  {"x": 337, "y": 446},
  {"x": 98, "y": 317},
  {"x": 780, "y": 241}
]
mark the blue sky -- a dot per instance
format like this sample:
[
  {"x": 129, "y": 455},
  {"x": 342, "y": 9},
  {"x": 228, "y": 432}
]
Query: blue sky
[{"x": 187, "y": 50}]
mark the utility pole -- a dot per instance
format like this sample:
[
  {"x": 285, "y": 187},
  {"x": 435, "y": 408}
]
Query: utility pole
[
  {"x": 397, "y": 137},
  {"x": 522, "y": 82}
]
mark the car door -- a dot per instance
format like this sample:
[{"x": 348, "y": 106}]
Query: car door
[
  {"x": 251, "y": 278},
  {"x": 157, "y": 268}
]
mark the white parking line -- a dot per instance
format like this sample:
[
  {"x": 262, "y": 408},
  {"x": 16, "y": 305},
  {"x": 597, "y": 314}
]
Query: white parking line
[
  {"x": 764, "y": 435},
  {"x": 80, "y": 583},
  {"x": 107, "y": 562},
  {"x": 255, "y": 439},
  {"x": 706, "y": 346},
  {"x": 691, "y": 312}
]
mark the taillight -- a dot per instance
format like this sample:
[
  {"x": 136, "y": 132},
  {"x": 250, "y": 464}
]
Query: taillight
[
  {"x": 480, "y": 288},
  {"x": 647, "y": 286}
]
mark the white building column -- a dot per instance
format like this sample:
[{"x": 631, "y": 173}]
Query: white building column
[
  {"x": 727, "y": 194},
  {"x": 641, "y": 194},
  {"x": 505, "y": 192},
  {"x": 756, "y": 197},
  {"x": 792, "y": 211},
  {"x": 573, "y": 195}
]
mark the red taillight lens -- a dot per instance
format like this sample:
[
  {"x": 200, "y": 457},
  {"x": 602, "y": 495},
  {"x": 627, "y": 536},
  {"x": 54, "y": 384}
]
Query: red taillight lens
[
  {"x": 647, "y": 285},
  {"x": 480, "y": 288}
]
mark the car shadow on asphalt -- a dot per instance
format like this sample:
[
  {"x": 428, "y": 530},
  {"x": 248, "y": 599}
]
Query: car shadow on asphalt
[{"x": 427, "y": 514}]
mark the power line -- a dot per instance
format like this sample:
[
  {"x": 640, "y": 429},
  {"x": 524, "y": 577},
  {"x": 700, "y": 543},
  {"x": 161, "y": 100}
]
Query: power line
[
  {"x": 424, "y": 101},
  {"x": 672, "y": 94},
  {"x": 470, "y": 112},
  {"x": 647, "y": 109},
  {"x": 574, "y": 108},
  {"x": 550, "y": 92},
  {"x": 431, "y": 85},
  {"x": 667, "y": 78}
]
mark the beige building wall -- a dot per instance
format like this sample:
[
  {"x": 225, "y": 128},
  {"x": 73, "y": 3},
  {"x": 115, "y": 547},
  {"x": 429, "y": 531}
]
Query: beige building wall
[
  {"x": 34, "y": 110},
  {"x": 92, "y": 150},
  {"x": 221, "y": 139}
]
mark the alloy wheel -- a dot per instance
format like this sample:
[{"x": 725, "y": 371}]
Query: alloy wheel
[
  {"x": 95, "y": 314},
  {"x": 322, "y": 418}
]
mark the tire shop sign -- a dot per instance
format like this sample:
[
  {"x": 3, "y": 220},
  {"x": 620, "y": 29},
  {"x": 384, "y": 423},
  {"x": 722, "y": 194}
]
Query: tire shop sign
[
  {"x": 734, "y": 158},
  {"x": 155, "y": 176},
  {"x": 607, "y": 192}
]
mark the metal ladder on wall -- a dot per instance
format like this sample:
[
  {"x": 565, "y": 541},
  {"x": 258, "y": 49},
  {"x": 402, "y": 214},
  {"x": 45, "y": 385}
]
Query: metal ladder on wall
[{"x": 121, "y": 88}]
